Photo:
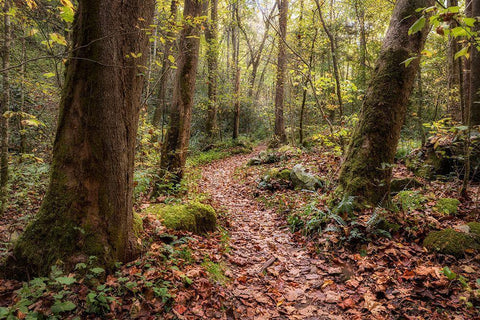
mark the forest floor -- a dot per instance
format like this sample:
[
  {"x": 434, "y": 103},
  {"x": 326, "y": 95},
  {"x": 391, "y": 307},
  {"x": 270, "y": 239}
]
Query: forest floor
[{"x": 271, "y": 258}]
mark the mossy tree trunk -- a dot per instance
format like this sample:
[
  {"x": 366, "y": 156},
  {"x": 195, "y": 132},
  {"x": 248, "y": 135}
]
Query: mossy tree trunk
[
  {"x": 175, "y": 148},
  {"x": 366, "y": 171},
  {"x": 87, "y": 210},
  {"x": 279, "y": 129},
  {"x": 5, "y": 103},
  {"x": 212, "y": 63}
]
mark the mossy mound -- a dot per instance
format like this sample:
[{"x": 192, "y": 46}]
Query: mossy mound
[
  {"x": 410, "y": 200},
  {"x": 447, "y": 205},
  {"x": 194, "y": 217},
  {"x": 474, "y": 228},
  {"x": 398, "y": 185},
  {"x": 137, "y": 224},
  {"x": 452, "y": 242}
]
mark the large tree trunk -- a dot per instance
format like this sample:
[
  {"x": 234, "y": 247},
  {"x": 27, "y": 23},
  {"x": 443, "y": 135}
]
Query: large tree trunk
[
  {"x": 280, "y": 134},
  {"x": 475, "y": 75},
  {"x": 5, "y": 102},
  {"x": 87, "y": 210},
  {"x": 212, "y": 63},
  {"x": 161, "y": 105},
  {"x": 174, "y": 151},
  {"x": 366, "y": 171}
]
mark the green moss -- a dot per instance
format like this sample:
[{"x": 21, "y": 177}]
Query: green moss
[
  {"x": 449, "y": 241},
  {"x": 194, "y": 217},
  {"x": 447, "y": 205},
  {"x": 137, "y": 224},
  {"x": 284, "y": 174},
  {"x": 474, "y": 228},
  {"x": 410, "y": 200}
]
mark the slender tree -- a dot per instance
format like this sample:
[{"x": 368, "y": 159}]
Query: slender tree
[
  {"x": 236, "y": 70},
  {"x": 280, "y": 134},
  {"x": 174, "y": 150},
  {"x": 212, "y": 63},
  {"x": 454, "y": 69},
  {"x": 5, "y": 102},
  {"x": 166, "y": 70},
  {"x": 475, "y": 74},
  {"x": 87, "y": 210},
  {"x": 366, "y": 171}
]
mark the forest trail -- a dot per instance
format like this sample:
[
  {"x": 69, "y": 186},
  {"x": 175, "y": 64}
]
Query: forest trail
[{"x": 290, "y": 287}]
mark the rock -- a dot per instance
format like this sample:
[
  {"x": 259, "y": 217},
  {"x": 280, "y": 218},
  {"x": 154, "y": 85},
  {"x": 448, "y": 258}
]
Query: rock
[
  {"x": 194, "y": 217},
  {"x": 452, "y": 242},
  {"x": 304, "y": 180},
  {"x": 254, "y": 162},
  {"x": 444, "y": 156},
  {"x": 398, "y": 185}
]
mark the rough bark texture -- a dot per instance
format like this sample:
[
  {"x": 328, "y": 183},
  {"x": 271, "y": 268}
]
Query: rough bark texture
[
  {"x": 366, "y": 171},
  {"x": 5, "y": 102},
  {"x": 454, "y": 65},
  {"x": 280, "y": 134},
  {"x": 174, "y": 151},
  {"x": 87, "y": 210},
  {"x": 165, "y": 72},
  {"x": 212, "y": 63},
  {"x": 475, "y": 75}
]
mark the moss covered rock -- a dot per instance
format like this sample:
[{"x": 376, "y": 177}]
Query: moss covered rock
[
  {"x": 447, "y": 205},
  {"x": 474, "y": 227},
  {"x": 194, "y": 217},
  {"x": 410, "y": 200},
  {"x": 398, "y": 185},
  {"x": 137, "y": 224},
  {"x": 301, "y": 179},
  {"x": 452, "y": 242}
]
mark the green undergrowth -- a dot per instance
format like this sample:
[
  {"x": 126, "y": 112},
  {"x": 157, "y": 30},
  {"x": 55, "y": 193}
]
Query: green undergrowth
[{"x": 88, "y": 292}]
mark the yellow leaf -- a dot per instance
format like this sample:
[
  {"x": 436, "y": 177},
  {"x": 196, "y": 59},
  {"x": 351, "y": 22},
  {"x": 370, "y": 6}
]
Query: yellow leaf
[{"x": 67, "y": 3}]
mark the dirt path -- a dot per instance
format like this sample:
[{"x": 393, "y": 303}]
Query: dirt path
[{"x": 291, "y": 286}]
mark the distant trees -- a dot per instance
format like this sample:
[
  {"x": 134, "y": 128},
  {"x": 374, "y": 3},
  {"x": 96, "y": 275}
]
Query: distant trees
[
  {"x": 174, "y": 150},
  {"x": 475, "y": 72},
  {"x": 87, "y": 210},
  {"x": 279, "y": 129},
  {"x": 366, "y": 171},
  {"x": 212, "y": 64}
]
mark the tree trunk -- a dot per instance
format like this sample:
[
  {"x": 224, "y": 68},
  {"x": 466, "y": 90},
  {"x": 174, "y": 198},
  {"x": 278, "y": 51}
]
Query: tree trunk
[
  {"x": 236, "y": 72},
  {"x": 475, "y": 76},
  {"x": 174, "y": 151},
  {"x": 467, "y": 74},
  {"x": 165, "y": 72},
  {"x": 453, "y": 107},
  {"x": 280, "y": 134},
  {"x": 5, "y": 103},
  {"x": 333, "y": 51},
  {"x": 87, "y": 210},
  {"x": 366, "y": 171},
  {"x": 212, "y": 63},
  {"x": 360, "y": 13}
]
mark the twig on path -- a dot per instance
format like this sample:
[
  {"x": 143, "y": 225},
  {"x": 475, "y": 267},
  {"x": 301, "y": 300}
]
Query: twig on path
[{"x": 266, "y": 265}]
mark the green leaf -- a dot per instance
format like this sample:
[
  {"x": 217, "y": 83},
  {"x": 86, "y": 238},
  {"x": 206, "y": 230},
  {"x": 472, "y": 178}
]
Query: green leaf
[
  {"x": 469, "y": 21},
  {"x": 66, "y": 280},
  {"x": 49, "y": 75},
  {"x": 449, "y": 273},
  {"x": 409, "y": 60},
  {"x": 59, "y": 307},
  {"x": 463, "y": 52},
  {"x": 417, "y": 26},
  {"x": 97, "y": 270},
  {"x": 459, "y": 32},
  {"x": 66, "y": 13}
]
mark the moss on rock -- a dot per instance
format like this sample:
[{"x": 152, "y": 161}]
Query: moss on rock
[
  {"x": 137, "y": 224},
  {"x": 449, "y": 241},
  {"x": 447, "y": 205},
  {"x": 194, "y": 217},
  {"x": 474, "y": 228}
]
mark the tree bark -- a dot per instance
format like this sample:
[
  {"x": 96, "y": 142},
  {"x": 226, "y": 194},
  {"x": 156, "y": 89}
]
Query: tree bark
[
  {"x": 280, "y": 134},
  {"x": 236, "y": 72},
  {"x": 212, "y": 63},
  {"x": 366, "y": 171},
  {"x": 5, "y": 103},
  {"x": 87, "y": 210},
  {"x": 475, "y": 76},
  {"x": 466, "y": 74},
  {"x": 175, "y": 148},
  {"x": 454, "y": 106},
  {"x": 166, "y": 70}
]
